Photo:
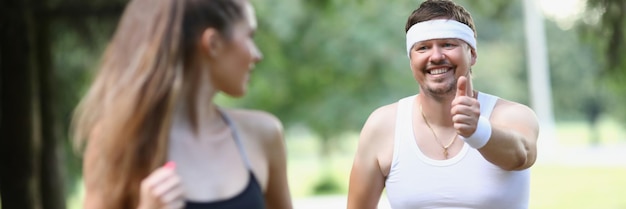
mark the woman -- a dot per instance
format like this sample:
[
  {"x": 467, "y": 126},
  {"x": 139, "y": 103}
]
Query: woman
[{"x": 152, "y": 102}]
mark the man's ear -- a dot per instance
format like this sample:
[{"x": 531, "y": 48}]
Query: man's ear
[{"x": 211, "y": 41}]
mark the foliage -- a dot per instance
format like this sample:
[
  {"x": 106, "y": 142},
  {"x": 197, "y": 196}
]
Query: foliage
[
  {"x": 575, "y": 75},
  {"x": 330, "y": 80},
  {"x": 75, "y": 58},
  {"x": 327, "y": 185},
  {"x": 610, "y": 29},
  {"x": 604, "y": 27},
  {"x": 328, "y": 65}
]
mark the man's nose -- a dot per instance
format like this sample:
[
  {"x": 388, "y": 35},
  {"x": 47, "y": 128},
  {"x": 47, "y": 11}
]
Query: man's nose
[{"x": 437, "y": 55}]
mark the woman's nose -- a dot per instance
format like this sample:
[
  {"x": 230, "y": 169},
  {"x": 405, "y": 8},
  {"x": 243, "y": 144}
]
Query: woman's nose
[{"x": 257, "y": 55}]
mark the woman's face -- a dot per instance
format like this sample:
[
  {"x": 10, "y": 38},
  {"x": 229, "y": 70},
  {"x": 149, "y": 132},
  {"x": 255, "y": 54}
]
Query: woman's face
[{"x": 233, "y": 62}]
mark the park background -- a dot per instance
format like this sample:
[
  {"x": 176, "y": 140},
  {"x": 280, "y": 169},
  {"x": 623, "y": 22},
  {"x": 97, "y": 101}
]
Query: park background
[{"x": 327, "y": 65}]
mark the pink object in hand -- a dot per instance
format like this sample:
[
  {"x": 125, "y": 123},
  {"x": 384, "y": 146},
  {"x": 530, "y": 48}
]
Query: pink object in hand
[{"x": 170, "y": 165}]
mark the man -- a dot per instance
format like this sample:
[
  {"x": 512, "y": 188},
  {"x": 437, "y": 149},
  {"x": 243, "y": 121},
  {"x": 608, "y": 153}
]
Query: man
[{"x": 449, "y": 146}]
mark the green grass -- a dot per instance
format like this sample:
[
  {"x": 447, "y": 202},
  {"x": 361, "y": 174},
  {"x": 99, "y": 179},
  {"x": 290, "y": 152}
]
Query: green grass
[
  {"x": 577, "y": 133},
  {"x": 75, "y": 201},
  {"x": 306, "y": 168},
  {"x": 554, "y": 187}
]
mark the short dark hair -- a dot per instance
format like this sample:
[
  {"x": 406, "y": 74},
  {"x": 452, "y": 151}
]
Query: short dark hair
[{"x": 438, "y": 9}]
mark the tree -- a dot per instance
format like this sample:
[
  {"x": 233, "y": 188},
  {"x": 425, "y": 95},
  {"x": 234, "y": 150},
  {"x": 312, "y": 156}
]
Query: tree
[
  {"x": 23, "y": 118},
  {"x": 325, "y": 67},
  {"x": 604, "y": 27},
  {"x": 32, "y": 173}
]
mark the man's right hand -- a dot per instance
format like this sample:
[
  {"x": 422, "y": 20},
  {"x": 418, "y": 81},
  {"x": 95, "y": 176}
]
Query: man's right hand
[{"x": 465, "y": 109}]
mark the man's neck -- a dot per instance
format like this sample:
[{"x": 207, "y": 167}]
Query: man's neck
[{"x": 435, "y": 108}]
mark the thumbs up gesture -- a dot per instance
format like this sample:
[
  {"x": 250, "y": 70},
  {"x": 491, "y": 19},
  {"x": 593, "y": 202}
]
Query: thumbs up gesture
[{"x": 465, "y": 109}]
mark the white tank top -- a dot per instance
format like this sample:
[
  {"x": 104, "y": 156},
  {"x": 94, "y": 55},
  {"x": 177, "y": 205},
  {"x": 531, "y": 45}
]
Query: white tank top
[{"x": 466, "y": 180}]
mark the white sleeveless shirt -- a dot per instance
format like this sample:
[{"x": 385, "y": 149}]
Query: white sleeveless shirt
[{"x": 466, "y": 180}]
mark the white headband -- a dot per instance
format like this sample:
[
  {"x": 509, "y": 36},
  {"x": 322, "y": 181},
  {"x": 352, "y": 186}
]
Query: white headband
[{"x": 438, "y": 29}]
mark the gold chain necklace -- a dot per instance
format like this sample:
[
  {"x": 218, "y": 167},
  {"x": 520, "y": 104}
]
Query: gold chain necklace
[{"x": 445, "y": 147}]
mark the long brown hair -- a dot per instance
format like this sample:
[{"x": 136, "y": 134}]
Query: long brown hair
[{"x": 127, "y": 112}]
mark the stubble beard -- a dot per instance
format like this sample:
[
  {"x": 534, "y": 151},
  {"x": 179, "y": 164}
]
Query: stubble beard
[{"x": 440, "y": 93}]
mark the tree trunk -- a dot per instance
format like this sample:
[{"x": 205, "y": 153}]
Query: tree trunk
[
  {"x": 51, "y": 182},
  {"x": 19, "y": 154},
  {"x": 539, "y": 76}
]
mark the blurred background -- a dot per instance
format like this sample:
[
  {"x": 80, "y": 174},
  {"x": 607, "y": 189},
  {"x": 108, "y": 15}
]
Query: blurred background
[{"x": 327, "y": 65}]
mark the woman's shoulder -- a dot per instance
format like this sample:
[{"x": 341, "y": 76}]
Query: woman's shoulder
[
  {"x": 256, "y": 122},
  {"x": 252, "y": 116}
]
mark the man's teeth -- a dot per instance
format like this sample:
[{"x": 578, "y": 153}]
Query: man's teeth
[{"x": 438, "y": 71}]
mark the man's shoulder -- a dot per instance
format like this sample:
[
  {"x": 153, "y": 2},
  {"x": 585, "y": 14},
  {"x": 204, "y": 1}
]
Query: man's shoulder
[
  {"x": 388, "y": 111},
  {"x": 501, "y": 103},
  {"x": 381, "y": 122},
  {"x": 511, "y": 111},
  {"x": 508, "y": 105},
  {"x": 383, "y": 113}
]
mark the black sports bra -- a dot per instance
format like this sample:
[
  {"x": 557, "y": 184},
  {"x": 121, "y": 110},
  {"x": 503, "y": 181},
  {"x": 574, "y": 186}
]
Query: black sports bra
[{"x": 250, "y": 198}]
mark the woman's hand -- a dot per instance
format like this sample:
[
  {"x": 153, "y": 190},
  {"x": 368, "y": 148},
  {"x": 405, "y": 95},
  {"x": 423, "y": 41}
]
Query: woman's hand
[{"x": 162, "y": 189}]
